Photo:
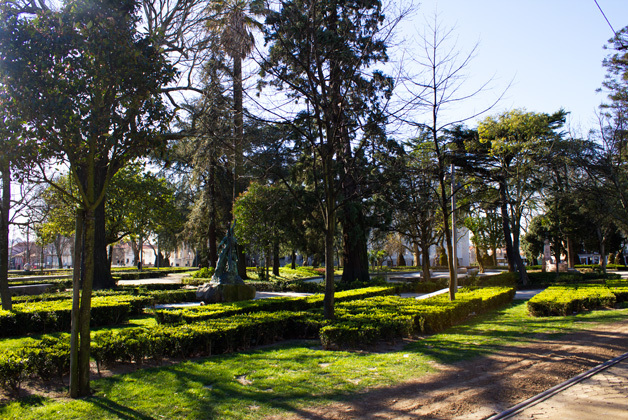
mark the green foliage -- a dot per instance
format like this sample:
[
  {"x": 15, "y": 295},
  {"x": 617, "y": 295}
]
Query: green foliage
[
  {"x": 367, "y": 321},
  {"x": 54, "y": 315},
  {"x": 204, "y": 273},
  {"x": 567, "y": 300},
  {"x": 503, "y": 279},
  {"x": 222, "y": 310},
  {"x": 13, "y": 370}
]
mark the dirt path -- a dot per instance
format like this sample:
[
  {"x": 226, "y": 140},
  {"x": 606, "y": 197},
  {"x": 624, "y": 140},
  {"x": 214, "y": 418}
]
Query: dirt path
[{"x": 479, "y": 388}]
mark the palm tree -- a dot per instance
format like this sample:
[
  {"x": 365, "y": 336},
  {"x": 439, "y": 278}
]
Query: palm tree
[{"x": 235, "y": 21}]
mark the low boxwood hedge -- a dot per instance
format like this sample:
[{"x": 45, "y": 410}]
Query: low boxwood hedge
[
  {"x": 619, "y": 288},
  {"x": 367, "y": 321},
  {"x": 53, "y": 316},
  {"x": 571, "y": 299},
  {"x": 222, "y": 310}
]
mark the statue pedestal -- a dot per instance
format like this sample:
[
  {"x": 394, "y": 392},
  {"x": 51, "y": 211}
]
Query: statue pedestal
[{"x": 216, "y": 292}]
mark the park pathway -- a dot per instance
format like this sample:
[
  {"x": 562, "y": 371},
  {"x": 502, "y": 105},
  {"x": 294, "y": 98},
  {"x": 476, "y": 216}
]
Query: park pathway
[{"x": 600, "y": 393}]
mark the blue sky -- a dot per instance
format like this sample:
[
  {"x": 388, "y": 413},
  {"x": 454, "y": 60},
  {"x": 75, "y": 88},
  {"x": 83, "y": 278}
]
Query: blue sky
[{"x": 551, "y": 50}]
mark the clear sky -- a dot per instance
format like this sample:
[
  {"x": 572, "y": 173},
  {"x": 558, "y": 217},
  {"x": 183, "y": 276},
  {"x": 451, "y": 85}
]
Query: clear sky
[{"x": 551, "y": 50}]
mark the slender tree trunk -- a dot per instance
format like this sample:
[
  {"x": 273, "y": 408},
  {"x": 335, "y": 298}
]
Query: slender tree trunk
[
  {"x": 76, "y": 296},
  {"x": 5, "y": 295},
  {"x": 330, "y": 234},
  {"x": 453, "y": 275},
  {"x": 59, "y": 249},
  {"x": 602, "y": 240},
  {"x": 571, "y": 253},
  {"x": 238, "y": 140},
  {"x": 211, "y": 234},
  {"x": 86, "y": 305},
  {"x": 276, "y": 258},
  {"x": 294, "y": 260}
]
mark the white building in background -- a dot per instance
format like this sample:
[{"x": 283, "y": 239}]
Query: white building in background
[
  {"x": 463, "y": 251},
  {"x": 123, "y": 255}
]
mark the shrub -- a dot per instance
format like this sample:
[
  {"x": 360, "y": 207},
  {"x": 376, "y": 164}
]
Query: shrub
[
  {"x": 12, "y": 371},
  {"x": 52, "y": 316},
  {"x": 567, "y": 300},
  {"x": 204, "y": 273},
  {"x": 48, "y": 358},
  {"x": 222, "y": 310},
  {"x": 366, "y": 321},
  {"x": 619, "y": 288},
  {"x": 505, "y": 279}
]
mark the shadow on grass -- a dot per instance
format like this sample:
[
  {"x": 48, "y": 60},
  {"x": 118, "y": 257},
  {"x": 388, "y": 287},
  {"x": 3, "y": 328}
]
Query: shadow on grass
[
  {"x": 239, "y": 386},
  {"x": 119, "y": 410},
  {"x": 511, "y": 325}
]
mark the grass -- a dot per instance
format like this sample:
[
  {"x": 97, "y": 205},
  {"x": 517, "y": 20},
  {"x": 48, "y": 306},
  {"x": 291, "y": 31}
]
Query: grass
[{"x": 288, "y": 377}]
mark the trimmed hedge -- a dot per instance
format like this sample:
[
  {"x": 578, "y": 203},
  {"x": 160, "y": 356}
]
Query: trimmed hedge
[
  {"x": 53, "y": 316},
  {"x": 570, "y": 299},
  {"x": 222, "y": 310},
  {"x": 202, "y": 338},
  {"x": 504, "y": 279},
  {"x": 619, "y": 288},
  {"x": 367, "y": 321}
]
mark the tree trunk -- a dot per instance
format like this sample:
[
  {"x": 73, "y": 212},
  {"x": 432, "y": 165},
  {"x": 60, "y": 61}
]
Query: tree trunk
[
  {"x": 479, "y": 257},
  {"x": 571, "y": 253},
  {"x": 355, "y": 260},
  {"x": 238, "y": 140},
  {"x": 76, "y": 296},
  {"x": 86, "y": 304},
  {"x": 5, "y": 295},
  {"x": 59, "y": 249},
  {"x": 425, "y": 264},
  {"x": 211, "y": 234},
  {"x": 102, "y": 265},
  {"x": 401, "y": 261},
  {"x": 330, "y": 234},
  {"x": 602, "y": 240},
  {"x": 514, "y": 259},
  {"x": 416, "y": 254},
  {"x": 136, "y": 252},
  {"x": 444, "y": 203},
  {"x": 276, "y": 258},
  {"x": 294, "y": 260}
]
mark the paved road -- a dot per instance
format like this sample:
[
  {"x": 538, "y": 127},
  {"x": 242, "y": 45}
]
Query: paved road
[{"x": 599, "y": 394}]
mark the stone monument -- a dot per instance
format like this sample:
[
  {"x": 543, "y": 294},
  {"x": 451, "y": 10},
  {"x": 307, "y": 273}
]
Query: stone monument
[{"x": 226, "y": 285}]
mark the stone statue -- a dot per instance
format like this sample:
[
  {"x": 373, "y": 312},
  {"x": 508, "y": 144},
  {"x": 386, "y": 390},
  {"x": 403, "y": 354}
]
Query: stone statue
[
  {"x": 227, "y": 266},
  {"x": 226, "y": 285}
]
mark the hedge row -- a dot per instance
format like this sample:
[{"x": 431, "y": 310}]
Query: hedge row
[
  {"x": 50, "y": 357},
  {"x": 221, "y": 310},
  {"x": 53, "y": 316},
  {"x": 505, "y": 279},
  {"x": 156, "y": 296},
  {"x": 367, "y": 321},
  {"x": 570, "y": 299},
  {"x": 619, "y": 288}
]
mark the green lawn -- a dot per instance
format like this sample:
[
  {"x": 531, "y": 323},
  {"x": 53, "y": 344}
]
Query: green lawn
[{"x": 287, "y": 377}]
